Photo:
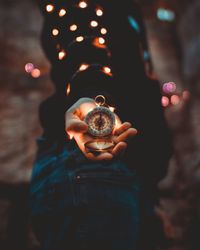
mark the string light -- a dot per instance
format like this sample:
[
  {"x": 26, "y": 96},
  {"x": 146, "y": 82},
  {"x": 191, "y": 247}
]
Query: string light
[
  {"x": 79, "y": 39},
  {"x": 103, "y": 31},
  {"x": 107, "y": 70},
  {"x": 61, "y": 55},
  {"x": 55, "y": 32},
  {"x": 49, "y": 8},
  {"x": 35, "y": 73},
  {"x": 99, "y": 12},
  {"x": 101, "y": 40},
  {"x": 83, "y": 67},
  {"x": 83, "y": 4},
  {"x": 62, "y": 12},
  {"x": 73, "y": 27},
  {"x": 68, "y": 90},
  {"x": 93, "y": 23}
]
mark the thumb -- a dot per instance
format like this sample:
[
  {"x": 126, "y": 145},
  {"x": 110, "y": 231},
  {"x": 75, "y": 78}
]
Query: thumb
[{"x": 76, "y": 125}]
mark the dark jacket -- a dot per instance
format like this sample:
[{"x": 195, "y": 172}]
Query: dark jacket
[{"x": 137, "y": 98}]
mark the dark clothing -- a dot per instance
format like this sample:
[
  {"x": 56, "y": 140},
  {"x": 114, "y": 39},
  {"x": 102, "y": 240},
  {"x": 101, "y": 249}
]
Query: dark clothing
[
  {"x": 81, "y": 204},
  {"x": 77, "y": 204}
]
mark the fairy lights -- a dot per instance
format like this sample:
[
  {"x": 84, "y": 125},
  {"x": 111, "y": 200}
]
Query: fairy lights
[
  {"x": 83, "y": 5},
  {"x": 99, "y": 12},
  {"x": 73, "y": 27},
  {"x": 83, "y": 67},
  {"x": 107, "y": 71},
  {"x": 62, "y": 12},
  {"x": 101, "y": 40},
  {"x": 61, "y": 55},
  {"x": 103, "y": 31},
  {"x": 93, "y": 23},
  {"x": 49, "y": 8},
  {"x": 55, "y": 32},
  {"x": 68, "y": 89},
  {"x": 79, "y": 39}
]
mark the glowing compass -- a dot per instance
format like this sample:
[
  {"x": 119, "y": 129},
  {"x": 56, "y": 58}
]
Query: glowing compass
[{"x": 101, "y": 122}]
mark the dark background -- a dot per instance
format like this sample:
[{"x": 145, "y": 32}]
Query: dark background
[{"x": 175, "y": 51}]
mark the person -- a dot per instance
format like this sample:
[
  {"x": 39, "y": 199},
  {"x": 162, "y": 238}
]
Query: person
[{"x": 79, "y": 199}]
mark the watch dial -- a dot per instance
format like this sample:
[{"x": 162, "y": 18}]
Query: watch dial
[{"x": 100, "y": 122}]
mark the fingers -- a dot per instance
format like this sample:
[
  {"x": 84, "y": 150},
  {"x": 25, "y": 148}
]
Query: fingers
[
  {"x": 101, "y": 157},
  {"x": 128, "y": 134},
  {"x": 122, "y": 128},
  {"x": 119, "y": 149}
]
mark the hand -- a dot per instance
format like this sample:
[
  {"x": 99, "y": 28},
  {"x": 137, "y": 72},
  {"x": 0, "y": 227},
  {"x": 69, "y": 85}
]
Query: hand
[{"x": 76, "y": 128}]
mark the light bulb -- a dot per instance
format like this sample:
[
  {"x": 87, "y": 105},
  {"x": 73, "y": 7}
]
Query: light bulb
[
  {"x": 79, "y": 38},
  {"x": 55, "y": 32},
  {"x": 93, "y": 23},
  {"x": 73, "y": 27},
  {"x": 49, "y": 8},
  {"x": 103, "y": 31},
  {"x": 107, "y": 70},
  {"x": 99, "y": 12},
  {"x": 101, "y": 40},
  {"x": 62, "y": 12},
  {"x": 68, "y": 90},
  {"x": 83, "y": 67},
  {"x": 61, "y": 54},
  {"x": 83, "y": 4}
]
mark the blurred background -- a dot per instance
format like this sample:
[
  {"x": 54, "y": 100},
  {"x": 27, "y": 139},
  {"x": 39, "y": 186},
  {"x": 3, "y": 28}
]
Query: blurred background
[{"x": 173, "y": 33}]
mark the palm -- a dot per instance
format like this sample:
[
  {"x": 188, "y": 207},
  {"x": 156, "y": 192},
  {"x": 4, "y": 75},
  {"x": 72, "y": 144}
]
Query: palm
[{"x": 77, "y": 128}]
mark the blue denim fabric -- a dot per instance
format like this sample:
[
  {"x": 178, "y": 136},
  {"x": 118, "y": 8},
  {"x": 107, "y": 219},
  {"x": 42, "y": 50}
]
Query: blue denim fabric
[{"x": 77, "y": 204}]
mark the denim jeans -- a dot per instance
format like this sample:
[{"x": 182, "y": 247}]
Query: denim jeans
[{"x": 82, "y": 205}]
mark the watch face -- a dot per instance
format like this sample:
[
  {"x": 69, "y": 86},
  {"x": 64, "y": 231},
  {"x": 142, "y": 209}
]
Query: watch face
[{"x": 100, "y": 122}]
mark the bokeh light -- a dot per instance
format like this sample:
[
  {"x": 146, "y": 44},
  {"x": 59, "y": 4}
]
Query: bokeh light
[
  {"x": 35, "y": 73},
  {"x": 29, "y": 67},
  {"x": 165, "y": 101},
  {"x": 169, "y": 87},
  {"x": 175, "y": 99}
]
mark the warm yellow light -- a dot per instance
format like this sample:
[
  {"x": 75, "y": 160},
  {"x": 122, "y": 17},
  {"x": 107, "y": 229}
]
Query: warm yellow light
[
  {"x": 55, "y": 32},
  {"x": 79, "y": 39},
  {"x": 35, "y": 73},
  {"x": 49, "y": 8},
  {"x": 101, "y": 40},
  {"x": 107, "y": 70},
  {"x": 99, "y": 12},
  {"x": 93, "y": 23},
  {"x": 68, "y": 90},
  {"x": 62, "y": 12},
  {"x": 61, "y": 54},
  {"x": 83, "y": 4},
  {"x": 83, "y": 67},
  {"x": 73, "y": 27},
  {"x": 103, "y": 31}
]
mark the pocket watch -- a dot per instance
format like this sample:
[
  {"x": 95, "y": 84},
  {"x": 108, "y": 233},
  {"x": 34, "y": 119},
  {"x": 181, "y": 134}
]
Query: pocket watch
[{"x": 101, "y": 123}]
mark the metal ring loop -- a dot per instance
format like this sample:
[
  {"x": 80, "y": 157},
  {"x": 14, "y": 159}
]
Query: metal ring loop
[{"x": 101, "y": 101}]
